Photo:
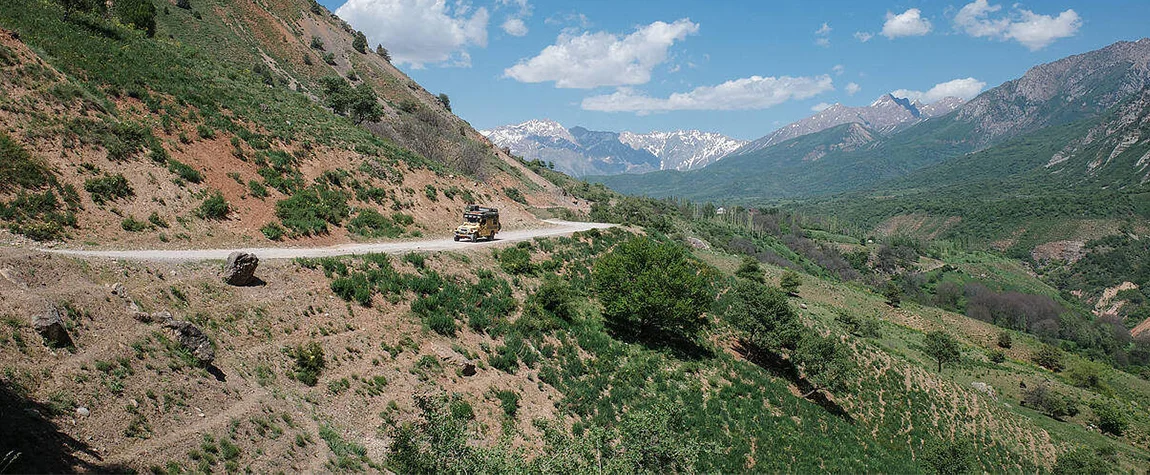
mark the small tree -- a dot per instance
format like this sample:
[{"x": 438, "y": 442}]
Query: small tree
[
  {"x": 446, "y": 101},
  {"x": 942, "y": 347},
  {"x": 383, "y": 53},
  {"x": 316, "y": 43},
  {"x": 360, "y": 42},
  {"x": 825, "y": 363},
  {"x": 893, "y": 294},
  {"x": 185, "y": 4},
  {"x": 1048, "y": 357},
  {"x": 1110, "y": 419},
  {"x": 1004, "y": 340},
  {"x": 946, "y": 457},
  {"x": 751, "y": 270},
  {"x": 790, "y": 282},
  {"x": 139, "y": 14},
  {"x": 763, "y": 315},
  {"x": 652, "y": 289}
]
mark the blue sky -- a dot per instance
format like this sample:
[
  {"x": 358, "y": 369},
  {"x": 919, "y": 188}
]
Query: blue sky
[{"x": 742, "y": 68}]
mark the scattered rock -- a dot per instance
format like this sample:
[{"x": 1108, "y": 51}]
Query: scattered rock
[
  {"x": 11, "y": 276},
  {"x": 803, "y": 306},
  {"x": 985, "y": 389},
  {"x": 192, "y": 338},
  {"x": 50, "y": 325},
  {"x": 240, "y": 269},
  {"x": 118, "y": 289},
  {"x": 82, "y": 411},
  {"x": 698, "y": 243},
  {"x": 145, "y": 317}
]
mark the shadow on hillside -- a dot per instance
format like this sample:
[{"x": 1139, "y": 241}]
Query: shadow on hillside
[
  {"x": 32, "y": 443},
  {"x": 682, "y": 348},
  {"x": 783, "y": 368}
]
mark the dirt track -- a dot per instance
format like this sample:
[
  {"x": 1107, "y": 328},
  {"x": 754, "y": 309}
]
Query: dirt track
[{"x": 187, "y": 255}]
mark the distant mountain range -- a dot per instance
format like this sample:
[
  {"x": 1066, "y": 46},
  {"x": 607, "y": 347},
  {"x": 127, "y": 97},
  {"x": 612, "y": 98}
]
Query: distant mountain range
[
  {"x": 1080, "y": 121},
  {"x": 886, "y": 115},
  {"x": 579, "y": 152}
]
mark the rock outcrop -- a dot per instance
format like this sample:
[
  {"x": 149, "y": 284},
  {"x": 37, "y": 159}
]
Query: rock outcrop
[
  {"x": 241, "y": 269},
  {"x": 50, "y": 325},
  {"x": 193, "y": 339}
]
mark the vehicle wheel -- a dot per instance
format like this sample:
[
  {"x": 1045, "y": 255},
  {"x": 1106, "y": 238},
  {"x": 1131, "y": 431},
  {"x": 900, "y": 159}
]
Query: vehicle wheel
[
  {"x": 475, "y": 237},
  {"x": 491, "y": 237},
  {"x": 456, "y": 237}
]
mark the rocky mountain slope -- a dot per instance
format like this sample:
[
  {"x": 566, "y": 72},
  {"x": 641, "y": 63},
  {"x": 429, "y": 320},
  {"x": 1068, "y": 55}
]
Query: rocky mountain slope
[
  {"x": 886, "y": 115},
  {"x": 579, "y": 152}
]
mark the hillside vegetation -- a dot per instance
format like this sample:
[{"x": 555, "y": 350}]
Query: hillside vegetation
[{"x": 230, "y": 121}]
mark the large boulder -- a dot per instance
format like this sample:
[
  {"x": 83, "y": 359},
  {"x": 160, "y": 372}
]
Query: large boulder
[
  {"x": 50, "y": 325},
  {"x": 193, "y": 339},
  {"x": 241, "y": 269}
]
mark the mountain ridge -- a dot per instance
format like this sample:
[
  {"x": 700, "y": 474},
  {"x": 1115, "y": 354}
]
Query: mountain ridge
[{"x": 580, "y": 151}]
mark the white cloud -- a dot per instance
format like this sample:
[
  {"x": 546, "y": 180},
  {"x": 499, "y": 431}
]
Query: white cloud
[
  {"x": 514, "y": 27},
  {"x": 822, "y": 106},
  {"x": 603, "y": 59},
  {"x": 822, "y": 35},
  {"x": 1028, "y": 28},
  {"x": 838, "y": 69},
  {"x": 908, "y": 23},
  {"x": 965, "y": 89},
  {"x": 852, "y": 88},
  {"x": 419, "y": 32},
  {"x": 755, "y": 92},
  {"x": 863, "y": 36}
]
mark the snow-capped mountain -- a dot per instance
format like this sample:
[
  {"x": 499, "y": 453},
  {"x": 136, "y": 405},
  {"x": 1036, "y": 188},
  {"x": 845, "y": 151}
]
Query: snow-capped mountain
[
  {"x": 578, "y": 151},
  {"x": 683, "y": 149},
  {"x": 886, "y": 115}
]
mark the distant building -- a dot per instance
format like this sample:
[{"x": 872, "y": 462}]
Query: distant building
[{"x": 721, "y": 210}]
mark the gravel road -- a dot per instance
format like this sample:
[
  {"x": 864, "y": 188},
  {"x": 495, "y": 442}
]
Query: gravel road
[{"x": 556, "y": 228}]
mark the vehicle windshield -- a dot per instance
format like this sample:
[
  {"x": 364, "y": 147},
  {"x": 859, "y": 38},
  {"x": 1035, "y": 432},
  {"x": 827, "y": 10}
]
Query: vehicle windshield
[{"x": 471, "y": 218}]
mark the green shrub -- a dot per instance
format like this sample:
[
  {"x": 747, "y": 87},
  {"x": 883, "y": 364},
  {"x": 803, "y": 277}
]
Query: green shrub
[
  {"x": 515, "y": 261},
  {"x": 133, "y": 225},
  {"x": 108, "y": 188},
  {"x": 1085, "y": 461},
  {"x": 416, "y": 259},
  {"x": 205, "y": 132},
  {"x": 184, "y": 171},
  {"x": 19, "y": 168},
  {"x": 360, "y": 42},
  {"x": 997, "y": 357},
  {"x": 309, "y": 211},
  {"x": 402, "y": 219},
  {"x": 1111, "y": 419},
  {"x": 1041, "y": 398},
  {"x": 431, "y": 192},
  {"x": 214, "y": 207},
  {"x": 515, "y": 195},
  {"x": 790, "y": 282},
  {"x": 273, "y": 231},
  {"x": 369, "y": 223},
  {"x": 1004, "y": 340},
  {"x": 257, "y": 189},
  {"x": 751, "y": 270},
  {"x": 509, "y": 401},
  {"x": 946, "y": 457},
  {"x": 316, "y": 43},
  {"x": 138, "y": 14},
  {"x": 157, "y": 221},
  {"x": 309, "y": 362}
]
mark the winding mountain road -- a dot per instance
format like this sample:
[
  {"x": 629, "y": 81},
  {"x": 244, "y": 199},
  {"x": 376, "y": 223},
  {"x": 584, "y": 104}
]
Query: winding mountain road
[{"x": 557, "y": 228}]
